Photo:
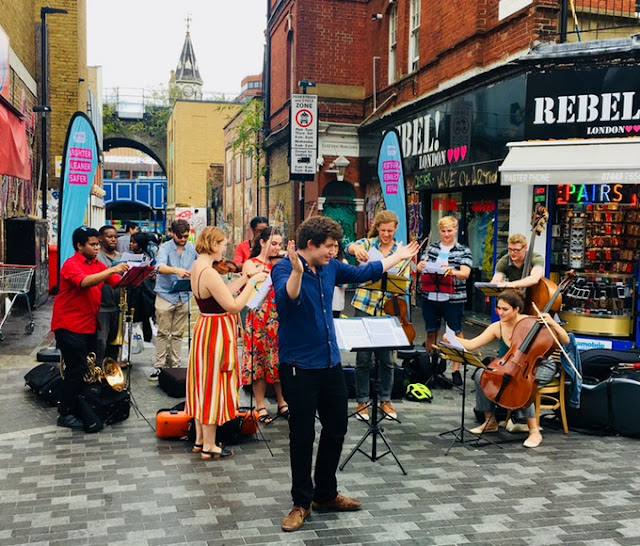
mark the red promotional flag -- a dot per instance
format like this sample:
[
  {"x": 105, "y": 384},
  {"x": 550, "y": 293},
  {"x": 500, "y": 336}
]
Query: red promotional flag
[{"x": 14, "y": 151}]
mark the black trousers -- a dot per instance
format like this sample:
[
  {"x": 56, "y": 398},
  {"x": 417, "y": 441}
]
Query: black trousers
[
  {"x": 306, "y": 391},
  {"x": 108, "y": 321},
  {"x": 74, "y": 349}
]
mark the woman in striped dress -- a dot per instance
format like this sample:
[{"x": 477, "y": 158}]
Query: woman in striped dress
[{"x": 212, "y": 374}]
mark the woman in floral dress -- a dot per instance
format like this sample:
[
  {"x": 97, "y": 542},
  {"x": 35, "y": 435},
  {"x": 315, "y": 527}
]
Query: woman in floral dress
[{"x": 260, "y": 342}]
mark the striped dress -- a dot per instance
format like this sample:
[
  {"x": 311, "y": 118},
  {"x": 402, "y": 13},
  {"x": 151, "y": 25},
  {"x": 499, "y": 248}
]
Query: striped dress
[{"x": 212, "y": 373}]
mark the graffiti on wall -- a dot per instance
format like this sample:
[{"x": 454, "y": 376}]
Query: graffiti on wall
[
  {"x": 414, "y": 212},
  {"x": 373, "y": 203},
  {"x": 16, "y": 197},
  {"x": 457, "y": 178}
]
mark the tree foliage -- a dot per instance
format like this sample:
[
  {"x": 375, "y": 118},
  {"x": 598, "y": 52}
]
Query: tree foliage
[{"x": 248, "y": 132}]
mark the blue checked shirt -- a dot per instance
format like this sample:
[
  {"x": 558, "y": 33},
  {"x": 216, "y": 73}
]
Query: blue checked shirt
[
  {"x": 371, "y": 301},
  {"x": 306, "y": 334},
  {"x": 168, "y": 255}
]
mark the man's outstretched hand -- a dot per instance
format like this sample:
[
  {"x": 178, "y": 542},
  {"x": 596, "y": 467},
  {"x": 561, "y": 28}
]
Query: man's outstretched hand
[{"x": 296, "y": 262}]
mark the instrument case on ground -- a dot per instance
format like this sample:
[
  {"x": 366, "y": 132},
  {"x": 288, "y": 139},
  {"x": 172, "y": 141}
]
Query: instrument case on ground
[
  {"x": 611, "y": 406},
  {"x": 100, "y": 405},
  {"x": 45, "y": 380},
  {"x": 599, "y": 363},
  {"x": 173, "y": 423},
  {"x": 173, "y": 381}
]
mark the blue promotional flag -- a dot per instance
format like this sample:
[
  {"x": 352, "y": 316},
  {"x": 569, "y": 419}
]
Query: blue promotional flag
[
  {"x": 79, "y": 163},
  {"x": 391, "y": 176}
]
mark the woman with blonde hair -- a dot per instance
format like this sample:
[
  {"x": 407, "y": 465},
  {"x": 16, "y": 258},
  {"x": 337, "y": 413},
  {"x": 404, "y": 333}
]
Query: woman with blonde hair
[{"x": 212, "y": 373}]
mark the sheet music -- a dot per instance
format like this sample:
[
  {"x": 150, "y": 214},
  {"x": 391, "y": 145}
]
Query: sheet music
[
  {"x": 257, "y": 299},
  {"x": 134, "y": 260},
  {"x": 370, "y": 332},
  {"x": 376, "y": 256},
  {"x": 452, "y": 339},
  {"x": 434, "y": 267}
]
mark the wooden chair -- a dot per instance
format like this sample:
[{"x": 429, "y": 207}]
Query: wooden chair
[{"x": 552, "y": 397}]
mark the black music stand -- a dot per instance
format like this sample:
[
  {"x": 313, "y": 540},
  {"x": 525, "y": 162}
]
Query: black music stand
[
  {"x": 466, "y": 358},
  {"x": 373, "y": 426},
  {"x": 181, "y": 286},
  {"x": 132, "y": 278}
]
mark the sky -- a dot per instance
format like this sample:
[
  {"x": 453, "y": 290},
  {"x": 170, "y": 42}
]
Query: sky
[{"x": 138, "y": 42}]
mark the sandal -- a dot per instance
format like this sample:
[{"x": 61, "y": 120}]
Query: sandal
[
  {"x": 283, "y": 411},
  {"x": 216, "y": 455},
  {"x": 197, "y": 448},
  {"x": 264, "y": 417}
]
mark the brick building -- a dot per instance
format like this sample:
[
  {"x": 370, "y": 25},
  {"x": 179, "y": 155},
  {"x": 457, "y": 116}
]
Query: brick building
[{"x": 458, "y": 81}]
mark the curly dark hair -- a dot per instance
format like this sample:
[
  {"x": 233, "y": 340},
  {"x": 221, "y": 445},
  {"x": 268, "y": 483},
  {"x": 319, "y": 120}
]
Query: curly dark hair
[{"x": 318, "y": 229}]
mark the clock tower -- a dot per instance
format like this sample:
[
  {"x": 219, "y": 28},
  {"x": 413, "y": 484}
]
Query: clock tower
[{"x": 186, "y": 79}]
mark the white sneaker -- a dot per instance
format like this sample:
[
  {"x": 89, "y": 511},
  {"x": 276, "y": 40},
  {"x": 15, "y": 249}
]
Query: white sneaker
[{"x": 153, "y": 376}]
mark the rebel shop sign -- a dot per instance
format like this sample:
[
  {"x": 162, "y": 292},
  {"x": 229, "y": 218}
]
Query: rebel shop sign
[
  {"x": 423, "y": 137},
  {"x": 596, "y": 103}
]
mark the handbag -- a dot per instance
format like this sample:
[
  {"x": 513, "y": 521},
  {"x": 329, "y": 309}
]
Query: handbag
[{"x": 434, "y": 282}]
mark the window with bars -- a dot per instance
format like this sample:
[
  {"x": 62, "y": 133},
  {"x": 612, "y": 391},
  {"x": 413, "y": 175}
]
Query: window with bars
[
  {"x": 393, "y": 42},
  {"x": 414, "y": 35}
]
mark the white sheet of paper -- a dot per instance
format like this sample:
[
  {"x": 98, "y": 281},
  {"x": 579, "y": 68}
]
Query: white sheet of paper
[
  {"x": 452, "y": 339},
  {"x": 376, "y": 256},
  {"x": 134, "y": 260},
  {"x": 370, "y": 332},
  {"x": 433, "y": 267},
  {"x": 257, "y": 299}
]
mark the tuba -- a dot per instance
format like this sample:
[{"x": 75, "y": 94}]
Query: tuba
[{"x": 110, "y": 372}]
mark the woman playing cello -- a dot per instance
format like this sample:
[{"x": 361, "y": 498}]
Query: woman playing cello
[{"x": 509, "y": 306}]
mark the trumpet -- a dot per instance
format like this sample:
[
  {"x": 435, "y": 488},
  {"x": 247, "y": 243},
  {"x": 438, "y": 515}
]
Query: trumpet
[{"x": 110, "y": 372}]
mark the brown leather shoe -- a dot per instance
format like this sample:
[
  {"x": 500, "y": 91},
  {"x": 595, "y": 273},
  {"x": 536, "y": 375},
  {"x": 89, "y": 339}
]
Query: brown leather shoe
[
  {"x": 294, "y": 519},
  {"x": 339, "y": 504}
]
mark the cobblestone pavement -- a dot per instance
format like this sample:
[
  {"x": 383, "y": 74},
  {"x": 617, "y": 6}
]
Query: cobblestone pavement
[{"x": 125, "y": 486}]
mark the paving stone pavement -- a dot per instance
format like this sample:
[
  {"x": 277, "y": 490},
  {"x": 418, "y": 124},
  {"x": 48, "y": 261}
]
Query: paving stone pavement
[{"x": 125, "y": 486}]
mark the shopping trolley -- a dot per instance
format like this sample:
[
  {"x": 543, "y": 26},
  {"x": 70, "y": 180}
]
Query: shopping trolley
[{"x": 15, "y": 280}]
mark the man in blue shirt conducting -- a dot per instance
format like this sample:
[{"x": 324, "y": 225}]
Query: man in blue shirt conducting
[{"x": 310, "y": 370}]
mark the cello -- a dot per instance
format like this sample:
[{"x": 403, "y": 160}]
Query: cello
[
  {"x": 543, "y": 291},
  {"x": 510, "y": 381}
]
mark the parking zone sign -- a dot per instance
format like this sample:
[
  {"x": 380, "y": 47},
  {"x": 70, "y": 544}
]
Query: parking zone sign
[{"x": 304, "y": 134}]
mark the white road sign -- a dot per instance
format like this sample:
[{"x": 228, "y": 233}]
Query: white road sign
[{"x": 304, "y": 133}]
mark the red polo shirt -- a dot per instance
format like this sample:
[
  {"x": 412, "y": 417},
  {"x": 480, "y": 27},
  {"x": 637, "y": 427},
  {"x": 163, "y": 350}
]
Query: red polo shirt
[
  {"x": 243, "y": 251},
  {"x": 75, "y": 308}
]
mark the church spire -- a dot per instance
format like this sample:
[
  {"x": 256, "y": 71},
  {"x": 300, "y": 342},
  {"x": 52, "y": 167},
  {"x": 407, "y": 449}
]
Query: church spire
[{"x": 187, "y": 76}]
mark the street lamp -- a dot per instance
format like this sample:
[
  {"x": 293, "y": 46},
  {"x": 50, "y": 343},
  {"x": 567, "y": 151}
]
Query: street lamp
[{"x": 44, "y": 107}]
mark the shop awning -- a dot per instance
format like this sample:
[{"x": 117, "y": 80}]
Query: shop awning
[{"x": 595, "y": 161}]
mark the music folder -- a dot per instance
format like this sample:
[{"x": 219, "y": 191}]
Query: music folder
[
  {"x": 135, "y": 275},
  {"x": 458, "y": 354},
  {"x": 369, "y": 333},
  {"x": 181, "y": 285},
  {"x": 490, "y": 289}
]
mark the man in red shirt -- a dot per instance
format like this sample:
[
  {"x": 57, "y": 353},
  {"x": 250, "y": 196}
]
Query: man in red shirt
[
  {"x": 243, "y": 250},
  {"x": 75, "y": 315}
]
